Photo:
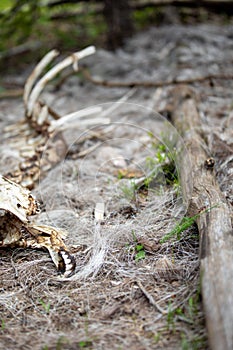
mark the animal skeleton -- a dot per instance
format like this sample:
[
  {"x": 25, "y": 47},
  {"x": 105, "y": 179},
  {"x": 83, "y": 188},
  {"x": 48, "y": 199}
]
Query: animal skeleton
[
  {"x": 16, "y": 201},
  {"x": 16, "y": 205}
]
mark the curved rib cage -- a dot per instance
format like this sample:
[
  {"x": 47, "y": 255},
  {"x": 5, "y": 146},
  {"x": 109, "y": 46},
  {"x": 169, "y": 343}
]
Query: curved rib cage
[{"x": 16, "y": 201}]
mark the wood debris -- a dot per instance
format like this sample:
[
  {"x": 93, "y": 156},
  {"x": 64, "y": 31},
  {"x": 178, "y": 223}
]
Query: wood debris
[{"x": 215, "y": 228}]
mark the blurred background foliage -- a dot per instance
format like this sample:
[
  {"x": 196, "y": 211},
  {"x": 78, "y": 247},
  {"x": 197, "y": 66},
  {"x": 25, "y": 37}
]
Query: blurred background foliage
[
  {"x": 62, "y": 25},
  {"x": 31, "y": 28}
]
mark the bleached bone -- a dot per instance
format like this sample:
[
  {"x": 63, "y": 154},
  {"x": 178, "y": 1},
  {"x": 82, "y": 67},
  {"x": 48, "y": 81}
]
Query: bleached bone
[
  {"x": 16, "y": 200},
  {"x": 37, "y": 71},
  {"x": 43, "y": 115},
  {"x": 38, "y": 88},
  {"x": 16, "y": 230},
  {"x": 72, "y": 117},
  {"x": 99, "y": 211},
  {"x": 86, "y": 123}
]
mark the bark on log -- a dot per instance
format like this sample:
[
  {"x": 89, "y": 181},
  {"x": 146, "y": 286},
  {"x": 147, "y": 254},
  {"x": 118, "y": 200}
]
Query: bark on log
[{"x": 215, "y": 227}]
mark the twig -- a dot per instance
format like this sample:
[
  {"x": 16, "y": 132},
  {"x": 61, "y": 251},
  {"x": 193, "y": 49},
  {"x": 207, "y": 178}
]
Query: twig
[
  {"x": 53, "y": 113},
  {"x": 153, "y": 302},
  {"x": 151, "y": 299},
  {"x": 149, "y": 84},
  {"x": 87, "y": 151},
  {"x": 129, "y": 84},
  {"x": 21, "y": 49},
  {"x": 118, "y": 103},
  {"x": 11, "y": 93},
  {"x": 14, "y": 267}
]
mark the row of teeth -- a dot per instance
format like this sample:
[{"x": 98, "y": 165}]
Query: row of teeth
[{"x": 68, "y": 262}]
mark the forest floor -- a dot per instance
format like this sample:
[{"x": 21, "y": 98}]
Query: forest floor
[{"x": 130, "y": 289}]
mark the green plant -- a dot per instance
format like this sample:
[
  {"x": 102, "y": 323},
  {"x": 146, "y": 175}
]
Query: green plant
[
  {"x": 170, "y": 317},
  {"x": 186, "y": 313},
  {"x": 191, "y": 307},
  {"x": 3, "y": 325},
  {"x": 141, "y": 254},
  {"x": 46, "y": 306},
  {"x": 157, "y": 337},
  {"x": 164, "y": 161},
  {"x": 129, "y": 191},
  {"x": 183, "y": 225},
  {"x": 184, "y": 342},
  {"x": 87, "y": 341},
  {"x": 195, "y": 343},
  {"x": 181, "y": 313},
  {"x": 138, "y": 249},
  {"x": 60, "y": 342},
  {"x": 24, "y": 22},
  {"x": 147, "y": 16},
  {"x": 18, "y": 18},
  {"x": 84, "y": 343}
]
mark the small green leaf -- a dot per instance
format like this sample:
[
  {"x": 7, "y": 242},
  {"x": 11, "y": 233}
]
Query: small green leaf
[
  {"x": 84, "y": 343},
  {"x": 3, "y": 325},
  {"x": 140, "y": 255},
  {"x": 139, "y": 247},
  {"x": 45, "y": 306},
  {"x": 157, "y": 337}
]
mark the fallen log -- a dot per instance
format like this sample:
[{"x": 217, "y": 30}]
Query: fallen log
[{"x": 201, "y": 191}]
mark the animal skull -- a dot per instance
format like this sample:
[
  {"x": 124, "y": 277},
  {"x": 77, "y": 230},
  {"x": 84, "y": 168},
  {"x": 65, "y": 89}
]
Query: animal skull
[{"x": 16, "y": 204}]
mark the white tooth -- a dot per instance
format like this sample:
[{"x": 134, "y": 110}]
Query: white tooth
[
  {"x": 69, "y": 266},
  {"x": 67, "y": 273}
]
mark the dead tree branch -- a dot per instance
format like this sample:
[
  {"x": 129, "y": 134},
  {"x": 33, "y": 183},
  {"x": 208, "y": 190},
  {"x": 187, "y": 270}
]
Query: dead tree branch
[
  {"x": 200, "y": 188},
  {"x": 149, "y": 84}
]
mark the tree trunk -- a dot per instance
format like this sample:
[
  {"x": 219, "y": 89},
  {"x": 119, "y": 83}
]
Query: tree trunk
[{"x": 118, "y": 18}]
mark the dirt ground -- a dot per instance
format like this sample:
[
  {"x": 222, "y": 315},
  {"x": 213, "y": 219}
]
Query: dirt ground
[{"x": 129, "y": 290}]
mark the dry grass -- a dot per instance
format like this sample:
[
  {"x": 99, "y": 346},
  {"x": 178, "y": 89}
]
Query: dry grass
[
  {"x": 112, "y": 299},
  {"x": 115, "y": 300}
]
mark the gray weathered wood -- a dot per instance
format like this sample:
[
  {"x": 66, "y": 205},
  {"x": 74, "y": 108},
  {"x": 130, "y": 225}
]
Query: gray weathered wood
[{"x": 201, "y": 190}]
